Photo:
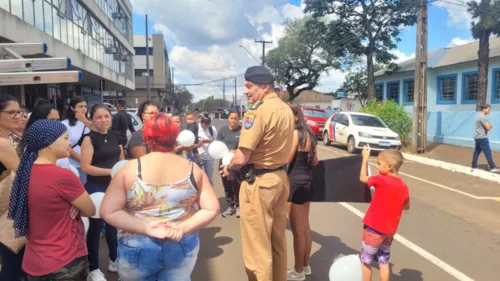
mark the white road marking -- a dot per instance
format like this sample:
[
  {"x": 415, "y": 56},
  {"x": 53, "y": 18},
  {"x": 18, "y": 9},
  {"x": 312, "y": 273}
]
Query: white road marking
[
  {"x": 417, "y": 249},
  {"x": 427, "y": 181}
]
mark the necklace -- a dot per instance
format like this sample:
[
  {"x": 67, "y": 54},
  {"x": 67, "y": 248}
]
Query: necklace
[{"x": 105, "y": 138}]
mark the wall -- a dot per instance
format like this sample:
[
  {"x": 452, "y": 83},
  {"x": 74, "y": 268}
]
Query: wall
[
  {"x": 451, "y": 123},
  {"x": 322, "y": 105}
]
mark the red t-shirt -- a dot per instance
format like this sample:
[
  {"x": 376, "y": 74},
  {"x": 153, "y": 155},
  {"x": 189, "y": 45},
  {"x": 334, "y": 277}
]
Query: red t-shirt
[
  {"x": 54, "y": 239},
  {"x": 391, "y": 193}
]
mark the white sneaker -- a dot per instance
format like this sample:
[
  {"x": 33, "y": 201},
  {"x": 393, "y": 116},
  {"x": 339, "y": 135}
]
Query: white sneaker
[
  {"x": 96, "y": 275},
  {"x": 292, "y": 275},
  {"x": 112, "y": 267},
  {"x": 307, "y": 270}
]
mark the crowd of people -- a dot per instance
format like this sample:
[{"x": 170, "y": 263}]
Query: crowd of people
[{"x": 156, "y": 204}]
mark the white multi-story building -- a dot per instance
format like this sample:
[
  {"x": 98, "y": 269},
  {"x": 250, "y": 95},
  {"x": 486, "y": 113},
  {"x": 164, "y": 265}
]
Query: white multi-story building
[
  {"x": 159, "y": 70},
  {"x": 95, "y": 34}
]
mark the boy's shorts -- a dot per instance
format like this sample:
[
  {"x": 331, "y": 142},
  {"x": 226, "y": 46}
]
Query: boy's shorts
[{"x": 375, "y": 245}]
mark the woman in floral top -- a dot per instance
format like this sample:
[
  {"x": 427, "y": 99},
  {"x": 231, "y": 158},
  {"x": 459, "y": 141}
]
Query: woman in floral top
[{"x": 159, "y": 207}]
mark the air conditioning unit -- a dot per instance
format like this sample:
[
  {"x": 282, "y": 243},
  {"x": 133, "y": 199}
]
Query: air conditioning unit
[
  {"x": 110, "y": 50},
  {"x": 118, "y": 15}
]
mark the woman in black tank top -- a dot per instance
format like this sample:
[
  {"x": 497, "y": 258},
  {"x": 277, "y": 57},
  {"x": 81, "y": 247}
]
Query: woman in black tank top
[
  {"x": 100, "y": 151},
  {"x": 10, "y": 114},
  {"x": 301, "y": 160}
]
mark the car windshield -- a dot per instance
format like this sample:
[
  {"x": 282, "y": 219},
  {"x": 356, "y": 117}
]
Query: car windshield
[
  {"x": 367, "y": 121},
  {"x": 315, "y": 113}
]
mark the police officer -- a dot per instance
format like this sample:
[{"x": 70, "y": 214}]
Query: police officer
[{"x": 264, "y": 146}]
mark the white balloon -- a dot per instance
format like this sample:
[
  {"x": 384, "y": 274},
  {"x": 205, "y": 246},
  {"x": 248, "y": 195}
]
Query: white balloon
[
  {"x": 217, "y": 149},
  {"x": 346, "y": 268},
  {"x": 74, "y": 170},
  {"x": 117, "y": 167},
  {"x": 97, "y": 200},
  {"x": 227, "y": 158},
  {"x": 86, "y": 224},
  {"x": 186, "y": 138}
]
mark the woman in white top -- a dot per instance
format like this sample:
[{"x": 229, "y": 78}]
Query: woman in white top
[
  {"x": 207, "y": 133},
  {"x": 76, "y": 129}
]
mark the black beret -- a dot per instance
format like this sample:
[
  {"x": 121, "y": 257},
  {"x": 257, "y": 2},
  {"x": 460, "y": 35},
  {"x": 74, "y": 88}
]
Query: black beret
[{"x": 259, "y": 75}]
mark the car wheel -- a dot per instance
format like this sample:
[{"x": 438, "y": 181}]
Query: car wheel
[
  {"x": 351, "y": 145},
  {"x": 326, "y": 140}
]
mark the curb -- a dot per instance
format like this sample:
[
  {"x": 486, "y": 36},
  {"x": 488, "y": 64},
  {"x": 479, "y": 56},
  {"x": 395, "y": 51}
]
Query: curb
[{"x": 453, "y": 167}]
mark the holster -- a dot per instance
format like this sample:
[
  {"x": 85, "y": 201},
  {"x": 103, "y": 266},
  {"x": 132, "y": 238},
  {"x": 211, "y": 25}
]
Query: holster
[{"x": 248, "y": 173}]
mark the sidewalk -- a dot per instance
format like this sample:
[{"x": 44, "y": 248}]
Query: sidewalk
[{"x": 456, "y": 159}]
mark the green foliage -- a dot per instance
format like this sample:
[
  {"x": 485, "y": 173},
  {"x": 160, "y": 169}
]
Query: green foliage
[
  {"x": 393, "y": 115},
  {"x": 209, "y": 104},
  {"x": 303, "y": 54},
  {"x": 179, "y": 99},
  {"x": 368, "y": 28}
]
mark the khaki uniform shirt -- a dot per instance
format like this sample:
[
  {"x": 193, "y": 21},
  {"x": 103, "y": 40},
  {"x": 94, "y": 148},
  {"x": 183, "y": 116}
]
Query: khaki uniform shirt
[{"x": 268, "y": 132}]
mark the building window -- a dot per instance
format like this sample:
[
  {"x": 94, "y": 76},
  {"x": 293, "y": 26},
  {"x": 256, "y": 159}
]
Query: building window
[
  {"x": 141, "y": 51},
  {"x": 495, "y": 85},
  {"x": 408, "y": 91},
  {"x": 469, "y": 87},
  {"x": 447, "y": 89},
  {"x": 143, "y": 72},
  {"x": 393, "y": 91},
  {"x": 379, "y": 92}
]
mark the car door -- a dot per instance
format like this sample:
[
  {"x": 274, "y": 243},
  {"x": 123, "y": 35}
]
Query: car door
[
  {"x": 330, "y": 127},
  {"x": 340, "y": 128}
]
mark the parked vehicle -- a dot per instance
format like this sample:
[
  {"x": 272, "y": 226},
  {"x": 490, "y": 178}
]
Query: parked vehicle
[
  {"x": 354, "y": 130},
  {"x": 315, "y": 118},
  {"x": 220, "y": 112}
]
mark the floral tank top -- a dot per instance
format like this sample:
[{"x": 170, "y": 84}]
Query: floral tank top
[{"x": 174, "y": 202}]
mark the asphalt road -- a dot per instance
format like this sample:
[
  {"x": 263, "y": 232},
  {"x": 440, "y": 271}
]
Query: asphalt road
[{"x": 450, "y": 233}]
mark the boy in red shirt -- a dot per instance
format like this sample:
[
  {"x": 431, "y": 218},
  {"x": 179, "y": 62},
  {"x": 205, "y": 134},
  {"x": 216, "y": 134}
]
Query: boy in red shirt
[{"x": 381, "y": 221}]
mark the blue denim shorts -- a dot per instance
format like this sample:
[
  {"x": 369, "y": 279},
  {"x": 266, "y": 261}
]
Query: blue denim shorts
[{"x": 143, "y": 258}]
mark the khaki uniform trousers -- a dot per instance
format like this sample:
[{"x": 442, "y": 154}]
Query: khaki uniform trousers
[{"x": 263, "y": 226}]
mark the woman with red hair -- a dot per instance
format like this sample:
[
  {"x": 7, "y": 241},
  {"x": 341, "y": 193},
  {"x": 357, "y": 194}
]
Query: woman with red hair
[{"x": 159, "y": 202}]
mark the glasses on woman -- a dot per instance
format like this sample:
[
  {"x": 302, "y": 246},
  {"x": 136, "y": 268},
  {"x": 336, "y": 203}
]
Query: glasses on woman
[{"x": 13, "y": 113}]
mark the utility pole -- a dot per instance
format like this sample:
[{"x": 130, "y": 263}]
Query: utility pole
[
  {"x": 147, "y": 60},
  {"x": 224, "y": 92},
  {"x": 263, "y": 42},
  {"x": 419, "y": 134},
  {"x": 235, "y": 94}
]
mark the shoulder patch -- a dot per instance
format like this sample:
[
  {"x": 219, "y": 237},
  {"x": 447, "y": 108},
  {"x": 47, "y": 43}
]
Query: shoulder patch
[{"x": 249, "y": 119}]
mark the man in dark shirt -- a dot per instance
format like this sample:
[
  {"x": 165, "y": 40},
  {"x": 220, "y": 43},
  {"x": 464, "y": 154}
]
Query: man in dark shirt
[{"x": 121, "y": 122}]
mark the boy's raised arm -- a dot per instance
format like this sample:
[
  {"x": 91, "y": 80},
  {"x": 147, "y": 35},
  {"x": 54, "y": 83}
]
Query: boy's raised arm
[{"x": 363, "y": 174}]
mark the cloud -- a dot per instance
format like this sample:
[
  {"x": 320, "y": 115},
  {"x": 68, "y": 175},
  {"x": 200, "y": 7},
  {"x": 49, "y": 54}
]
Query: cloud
[
  {"x": 458, "y": 17},
  {"x": 457, "y": 41},
  {"x": 400, "y": 56}
]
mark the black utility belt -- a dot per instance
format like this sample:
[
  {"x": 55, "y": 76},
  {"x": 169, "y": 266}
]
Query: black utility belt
[{"x": 248, "y": 172}]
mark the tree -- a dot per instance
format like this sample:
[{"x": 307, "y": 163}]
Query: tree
[
  {"x": 302, "y": 55},
  {"x": 356, "y": 83},
  {"x": 209, "y": 104},
  {"x": 365, "y": 27},
  {"x": 180, "y": 98},
  {"x": 487, "y": 14}
]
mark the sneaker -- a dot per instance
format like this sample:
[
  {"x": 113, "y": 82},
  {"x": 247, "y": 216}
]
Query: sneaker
[
  {"x": 229, "y": 212},
  {"x": 96, "y": 275},
  {"x": 238, "y": 212},
  {"x": 292, "y": 275},
  {"x": 112, "y": 267},
  {"x": 307, "y": 270},
  {"x": 495, "y": 170}
]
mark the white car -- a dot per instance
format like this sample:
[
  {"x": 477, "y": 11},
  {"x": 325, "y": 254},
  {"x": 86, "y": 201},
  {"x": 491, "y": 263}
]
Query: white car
[{"x": 354, "y": 130}]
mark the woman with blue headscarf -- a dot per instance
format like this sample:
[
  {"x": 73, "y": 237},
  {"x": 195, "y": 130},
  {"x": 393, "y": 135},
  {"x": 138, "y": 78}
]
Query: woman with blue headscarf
[{"x": 46, "y": 203}]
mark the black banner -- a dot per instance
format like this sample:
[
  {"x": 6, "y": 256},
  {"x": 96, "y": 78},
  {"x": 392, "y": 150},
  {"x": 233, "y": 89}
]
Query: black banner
[{"x": 337, "y": 180}]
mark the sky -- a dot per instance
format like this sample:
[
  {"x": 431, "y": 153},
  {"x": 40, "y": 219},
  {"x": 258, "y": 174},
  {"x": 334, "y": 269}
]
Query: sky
[{"x": 203, "y": 37}]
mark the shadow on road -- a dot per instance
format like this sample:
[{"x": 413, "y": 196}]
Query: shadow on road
[{"x": 332, "y": 247}]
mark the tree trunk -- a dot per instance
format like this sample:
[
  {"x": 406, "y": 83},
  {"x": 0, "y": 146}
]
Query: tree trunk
[
  {"x": 483, "y": 54},
  {"x": 371, "y": 78}
]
